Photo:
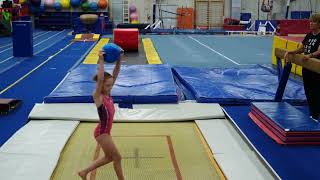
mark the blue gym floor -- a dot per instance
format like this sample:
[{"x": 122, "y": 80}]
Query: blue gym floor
[
  {"x": 41, "y": 41},
  {"x": 213, "y": 51},
  {"x": 31, "y": 79}
]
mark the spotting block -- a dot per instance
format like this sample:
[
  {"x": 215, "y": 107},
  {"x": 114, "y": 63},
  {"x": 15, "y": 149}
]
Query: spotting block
[{"x": 127, "y": 39}]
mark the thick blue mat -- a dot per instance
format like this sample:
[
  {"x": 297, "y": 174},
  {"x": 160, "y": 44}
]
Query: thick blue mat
[
  {"x": 287, "y": 117},
  {"x": 236, "y": 86},
  {"x": 289, "y": 162},
  {"x": 136, "y": 84}
]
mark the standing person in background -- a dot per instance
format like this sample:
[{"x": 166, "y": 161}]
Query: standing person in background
[{"x": 311, "y": 80}]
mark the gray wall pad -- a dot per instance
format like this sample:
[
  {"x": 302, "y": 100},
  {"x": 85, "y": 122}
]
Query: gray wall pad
[{"x": 186, "y": 111}]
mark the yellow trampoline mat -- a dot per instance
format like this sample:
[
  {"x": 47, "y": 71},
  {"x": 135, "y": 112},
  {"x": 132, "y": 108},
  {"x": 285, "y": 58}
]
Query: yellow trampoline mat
[{"x": 149, "y": 151}]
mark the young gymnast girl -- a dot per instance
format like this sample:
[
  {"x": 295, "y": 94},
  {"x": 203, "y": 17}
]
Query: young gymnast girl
[{"x": 105, "y": 108}]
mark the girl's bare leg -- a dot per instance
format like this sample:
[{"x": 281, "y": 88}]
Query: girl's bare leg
[
  {"x": 106, "y": 143},
  {"x": 110, "y": 154}
]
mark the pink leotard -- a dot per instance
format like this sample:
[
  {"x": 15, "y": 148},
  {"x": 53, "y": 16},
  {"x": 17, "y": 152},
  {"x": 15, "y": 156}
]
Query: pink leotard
[{"x": 106, "y": 114}]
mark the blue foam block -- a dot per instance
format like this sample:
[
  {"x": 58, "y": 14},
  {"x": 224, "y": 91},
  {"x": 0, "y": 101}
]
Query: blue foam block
[
  {"x": 22, "y": 39},
  {"x": 236, "y": 86},
  {"x": 135, "y": 84},
  {"x": 287, "y": 117}
]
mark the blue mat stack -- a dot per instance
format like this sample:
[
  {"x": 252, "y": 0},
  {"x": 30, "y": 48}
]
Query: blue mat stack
[{"x": 284, "y": 123}]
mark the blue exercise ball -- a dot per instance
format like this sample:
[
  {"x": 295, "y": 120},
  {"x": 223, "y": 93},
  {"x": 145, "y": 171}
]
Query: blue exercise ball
[
  {"x": 57, "y": 6},
  {"x": 75, "y": 3},
  {"x": 94, "y": 6},
  {"x": 112, "y": 52}
]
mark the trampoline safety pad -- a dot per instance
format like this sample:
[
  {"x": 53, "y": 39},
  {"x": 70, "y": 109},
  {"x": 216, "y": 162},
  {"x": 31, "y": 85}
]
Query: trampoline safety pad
[{"x": 149, "y": 151}]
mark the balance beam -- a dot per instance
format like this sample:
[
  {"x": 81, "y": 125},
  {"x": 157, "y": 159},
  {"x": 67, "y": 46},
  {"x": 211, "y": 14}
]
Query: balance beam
[{"x": 312, "y": 64}]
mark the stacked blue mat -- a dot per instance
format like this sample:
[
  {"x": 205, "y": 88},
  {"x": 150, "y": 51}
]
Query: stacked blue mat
[
  {"x": 284, "y": 123},
  {"x": 237, "y": 85},
  {"x": 136, "y": 84}
]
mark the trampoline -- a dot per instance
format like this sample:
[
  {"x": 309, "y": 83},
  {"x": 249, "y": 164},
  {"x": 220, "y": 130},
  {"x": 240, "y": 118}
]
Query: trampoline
[{"x": 149, "y": 151}]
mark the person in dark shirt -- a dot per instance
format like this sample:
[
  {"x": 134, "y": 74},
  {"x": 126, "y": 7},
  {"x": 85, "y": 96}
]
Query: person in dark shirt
[{"x": 311, "y": 80}]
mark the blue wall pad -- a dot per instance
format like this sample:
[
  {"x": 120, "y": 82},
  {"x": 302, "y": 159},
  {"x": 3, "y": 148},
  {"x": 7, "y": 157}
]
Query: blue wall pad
[
  {"x": 289, "y": 162},
  {"x": 135, "y": 84},
  {"x": 268, "y": 27},
  {"x": 236, "y": 86}
]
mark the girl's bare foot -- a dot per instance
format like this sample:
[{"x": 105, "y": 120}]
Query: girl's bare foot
[{"x": 83, "y": 175}]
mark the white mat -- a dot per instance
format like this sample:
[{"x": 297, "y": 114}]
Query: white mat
[
  {"x": 234, "y": 156},
  {"x": 140, "y": 113},
  {"x": 34, "y": 150}
]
